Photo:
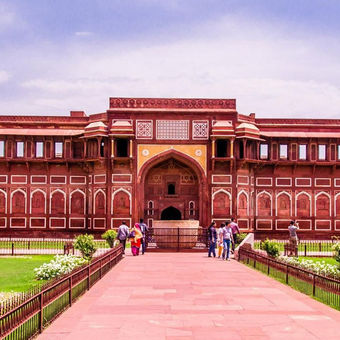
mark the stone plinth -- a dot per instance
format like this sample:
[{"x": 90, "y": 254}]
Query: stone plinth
[{"x": 173, "y": 234}]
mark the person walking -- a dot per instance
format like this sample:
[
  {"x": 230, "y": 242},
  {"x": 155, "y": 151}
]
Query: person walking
[
  {"x": 212, "y": 236},
  {"x": 135, "y": 237},
  {"x": 144, "y": 229},
  {"x": 122, "y": 234},
  {"x": 293, "y": 238},
  {"x": 227, "y": 239},
  {"x": 220, "y": 240},
  {"x": 236, "y": 230}
]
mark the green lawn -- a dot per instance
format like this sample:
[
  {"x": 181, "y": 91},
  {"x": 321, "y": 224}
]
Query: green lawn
[
  {"x": 17, "y": 272},
  {"x": 329, "y": 260}
]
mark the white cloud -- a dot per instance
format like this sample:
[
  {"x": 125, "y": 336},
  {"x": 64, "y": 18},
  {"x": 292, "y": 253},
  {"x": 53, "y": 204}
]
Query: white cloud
[
  {"x": 268, "y": 71},
  {"x": 4, "y": 76},
  {"x": 83, "y": 34},
  {"x": 7, "y": 17}
]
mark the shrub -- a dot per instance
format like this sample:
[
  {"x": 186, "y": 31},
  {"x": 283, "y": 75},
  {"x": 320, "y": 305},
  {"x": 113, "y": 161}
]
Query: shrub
[
  {"x": 318, "y": 267},
  {"x": 60, "y": 265},
  {"x": 336, "y": 252},
  {"x": 86, "y": 245},
  {"x": 240, "y": 238},
  {"x": 271, "y": 247},
  {"x": 110, "y": 236}
]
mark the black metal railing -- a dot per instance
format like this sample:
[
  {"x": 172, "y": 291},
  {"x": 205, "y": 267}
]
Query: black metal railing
[
  {"x": 322, "y": 288},
  {"x": 27, "y": 314},
  {"x": 177, "y": 239}
]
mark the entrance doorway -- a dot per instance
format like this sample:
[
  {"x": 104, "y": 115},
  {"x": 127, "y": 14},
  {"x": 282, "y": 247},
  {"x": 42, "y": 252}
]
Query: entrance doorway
[{"x": 171, "y": 213}]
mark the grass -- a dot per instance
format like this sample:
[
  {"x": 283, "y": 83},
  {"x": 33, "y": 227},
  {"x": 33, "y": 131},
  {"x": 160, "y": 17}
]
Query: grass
[
  {"x": 328, "y": 297},
  {"x": 17, "y": 272},
  {"x": 329, "y": 260}
]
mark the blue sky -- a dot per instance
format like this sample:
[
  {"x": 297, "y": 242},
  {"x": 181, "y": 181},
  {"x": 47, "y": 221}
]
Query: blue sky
[{"x": 278, "y": 58}]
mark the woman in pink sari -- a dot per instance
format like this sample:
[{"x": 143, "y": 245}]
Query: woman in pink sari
[{"x": 136, "y": 239}]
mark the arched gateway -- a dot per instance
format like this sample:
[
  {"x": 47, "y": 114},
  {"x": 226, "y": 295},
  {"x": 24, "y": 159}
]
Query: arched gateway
[{"x": 170, "y": 187}]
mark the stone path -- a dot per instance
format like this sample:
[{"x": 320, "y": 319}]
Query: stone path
[{"x": 184, "y": 296}]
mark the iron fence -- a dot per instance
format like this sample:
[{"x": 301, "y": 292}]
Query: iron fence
[
  {"x": 27, "y": 314},
  {"x": 316, "y": 248},
  {"x": 177, "y": 239},
  {"x": 44, "y": 246},
  {"x": 322, "y": 288}
]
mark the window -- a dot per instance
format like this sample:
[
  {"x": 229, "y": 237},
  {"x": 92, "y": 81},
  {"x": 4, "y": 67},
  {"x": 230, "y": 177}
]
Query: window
[
  {"x": 264, "y": 151},
  {"x": 303, "y": 152},
  {"x": 20, "y": 149},
  {"x": 58, "y": 149},
  {"x": 171, "y": 189},
  {"x": 338, "y": 152},
  {"x": 150, "y": 208},
  {"x": 102, "y": 145},
  {"x": 283, "y": 151},
  {"x": 322, "y": 152},
  {"x": 191, "y": 208},
  {"x": 122, "y": 147},
  {"x": 39, "y": 149},
  {"x": 2, "y": 148},
  {"x": 221, "y": 148}
]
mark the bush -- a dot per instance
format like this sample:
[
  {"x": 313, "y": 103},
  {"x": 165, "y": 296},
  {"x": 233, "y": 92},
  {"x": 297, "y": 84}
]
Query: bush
[
  {"x": 86, "y": 245},
  {"x": 336, "y": 252},
  {"x": 271, "y": 247},
  {"x": 240, "y": 238},
  {"x": 110, "y": 236},
  {"x": 60, "y": 265}
]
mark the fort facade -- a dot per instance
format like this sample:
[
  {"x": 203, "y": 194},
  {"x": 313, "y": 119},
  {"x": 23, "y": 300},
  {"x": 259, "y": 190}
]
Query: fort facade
[{"x": 168, "y": 159}]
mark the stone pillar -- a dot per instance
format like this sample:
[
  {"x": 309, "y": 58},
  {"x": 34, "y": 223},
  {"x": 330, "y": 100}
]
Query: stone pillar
[
  {"x": 213, "y": 148},
  {"x": 131, "y": 147},
  {"x": 231, "y": 148}
]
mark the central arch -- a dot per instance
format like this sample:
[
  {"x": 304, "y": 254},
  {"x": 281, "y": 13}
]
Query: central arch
[
  {"x": 172, "y": 179},
  {"x": 171, "y": 213}
]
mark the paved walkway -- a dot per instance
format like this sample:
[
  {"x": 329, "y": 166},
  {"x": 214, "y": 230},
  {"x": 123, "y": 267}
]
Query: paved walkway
[{"x": 184, "y": 296}]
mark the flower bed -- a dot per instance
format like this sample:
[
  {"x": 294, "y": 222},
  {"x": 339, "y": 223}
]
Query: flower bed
[
  {"x": 318, "y": 267},
  {"x": 60, "y": 265}
]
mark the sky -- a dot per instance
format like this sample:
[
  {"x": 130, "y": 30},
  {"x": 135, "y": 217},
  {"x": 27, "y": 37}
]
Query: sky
[{"x": 278, "y": 58}]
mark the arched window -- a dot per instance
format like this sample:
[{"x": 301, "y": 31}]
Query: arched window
[
  {"x": 171, "y": 189},
  {"x": 191, "y": 208},
  {"x": 150, "y": 207}
]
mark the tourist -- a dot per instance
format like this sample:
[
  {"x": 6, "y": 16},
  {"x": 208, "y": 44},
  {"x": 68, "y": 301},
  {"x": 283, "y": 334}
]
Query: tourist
[
  {"x": 144, "y": 229},
  {"x": 122, "y": 234},
  {"x": 227, "y": 238},
  {"x": 220, "y": 240},
  {"x": 135, "y": 238},
  {"x": 212, "y": 236},
  {"x": 236, "y": 230},
  {"x": 293, "y": 239}
]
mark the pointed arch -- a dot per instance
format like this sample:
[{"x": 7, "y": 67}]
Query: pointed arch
[
  {"x": 58, "y": 202},
  {"x": 283, "y": 205},
  {"x": 264, "y": 193},
  {"x": 38, "y": 201},
  {"x": 18, "y": 197},
  {"x": 245, "y": 193},
  {"x": 115, "y": 193},
  {"x": 297, "y": 199},
  {"x": 219, "y": 192},
  {"x": 99, "y": 202},
  {"x": 3, "y": 201},
  {"x": 337, "y": 204},
  {"x": 320, "y": 208},
  {"x": 78, "y": 203}
]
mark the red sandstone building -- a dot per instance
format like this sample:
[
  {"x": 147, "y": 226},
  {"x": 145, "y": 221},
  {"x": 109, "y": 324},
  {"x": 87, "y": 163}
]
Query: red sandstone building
[{"x": 167, "y": 159}]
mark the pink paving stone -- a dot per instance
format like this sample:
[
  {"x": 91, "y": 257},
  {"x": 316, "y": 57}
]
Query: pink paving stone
[{"x": 189, "y": 296}]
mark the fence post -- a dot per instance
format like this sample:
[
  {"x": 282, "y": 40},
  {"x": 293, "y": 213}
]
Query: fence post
[
  {"x": 88, "y": 277},
  {"x": 255, "y": 261},
  {"x": 12, "y": 248},
  {"x": 41, "y": 316},
  {"x": 177, "y": 239},
  {"x": 320, "y": 247},
  {"x": 313, "y": 284},
  {"x": 70, "y": 292},
  {"x": 100, "y": 270},
  {"x": 305, "y": 249},
  {"x": 286, "y": 274},
  {"x": 29, "y": 245},
  {"x": 268, "y": 269}
]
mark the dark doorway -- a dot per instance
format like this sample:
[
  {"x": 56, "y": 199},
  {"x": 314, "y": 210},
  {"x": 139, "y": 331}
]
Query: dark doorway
[{"x": 171, "y": 213}]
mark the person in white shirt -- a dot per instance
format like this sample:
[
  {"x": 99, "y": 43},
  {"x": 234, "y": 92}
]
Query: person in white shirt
[
  {"x": 227, "y": 233},
  {"x": 122, "y": 234}
]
